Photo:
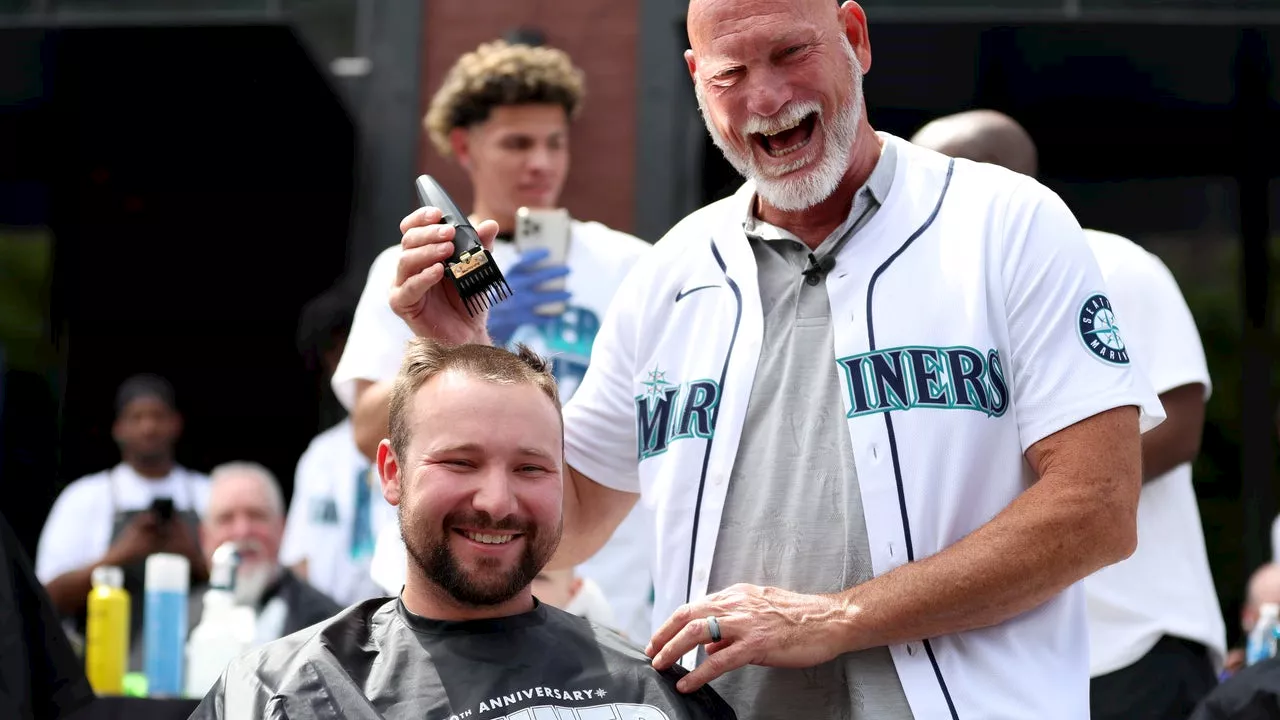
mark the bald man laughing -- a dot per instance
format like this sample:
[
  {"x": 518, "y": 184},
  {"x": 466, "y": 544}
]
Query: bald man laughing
[{"x": 853, "y": 395}]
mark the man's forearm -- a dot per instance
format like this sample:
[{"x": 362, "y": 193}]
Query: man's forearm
[
  {"x": 1176, "y": 440},
  {"x": 1039, "y": 545},
  {"x": 592, "y": 513},
  {"x": 69, "y": 592},
  {"x": 371, "y": 416},
  {"x": 1079, "y": 516}
]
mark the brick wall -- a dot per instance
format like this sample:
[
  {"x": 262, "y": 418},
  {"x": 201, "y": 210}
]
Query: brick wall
[{"x": 600, "y": 36}]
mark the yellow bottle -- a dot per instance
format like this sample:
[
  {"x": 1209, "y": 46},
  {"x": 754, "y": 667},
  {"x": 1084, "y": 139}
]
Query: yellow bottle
[{"x": 106, "y": 652}]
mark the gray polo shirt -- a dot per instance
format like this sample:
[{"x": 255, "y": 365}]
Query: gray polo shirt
[{"x": 793, "y": 515}]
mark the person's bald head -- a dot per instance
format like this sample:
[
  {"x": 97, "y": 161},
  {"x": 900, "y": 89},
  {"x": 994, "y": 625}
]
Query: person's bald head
[
  {"x": 708, "y": 19},
  {"x": 983, "y": 136},
  {"x": 1264, "y": 587}
]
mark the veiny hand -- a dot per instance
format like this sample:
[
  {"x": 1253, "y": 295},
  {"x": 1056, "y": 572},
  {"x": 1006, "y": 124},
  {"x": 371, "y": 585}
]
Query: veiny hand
[
  {"x": 422, "y": 297},
  {"x": 758, "y": 626}
]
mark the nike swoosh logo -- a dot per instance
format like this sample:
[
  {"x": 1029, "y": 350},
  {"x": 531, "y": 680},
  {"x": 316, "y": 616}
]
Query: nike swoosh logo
[{"x": 685, "y": 293}]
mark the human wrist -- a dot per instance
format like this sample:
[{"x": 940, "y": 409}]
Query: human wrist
[{"x": 846, "y": 624}]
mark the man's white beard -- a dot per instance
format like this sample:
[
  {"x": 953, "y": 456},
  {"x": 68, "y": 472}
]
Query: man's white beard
[
  {"x": 816, "y": 183},
  {"x": 252, "y": 580}
]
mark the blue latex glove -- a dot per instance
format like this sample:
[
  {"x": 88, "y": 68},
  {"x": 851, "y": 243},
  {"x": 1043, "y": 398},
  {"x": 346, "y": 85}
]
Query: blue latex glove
[{"x": 524, "y": 280}]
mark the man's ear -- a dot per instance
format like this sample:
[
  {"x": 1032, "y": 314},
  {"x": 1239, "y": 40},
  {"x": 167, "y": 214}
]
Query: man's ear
[
  {"x": 389, "y": 472},
  {"x": 854, "y": 19},
  {"x": 460, "y": 144}
]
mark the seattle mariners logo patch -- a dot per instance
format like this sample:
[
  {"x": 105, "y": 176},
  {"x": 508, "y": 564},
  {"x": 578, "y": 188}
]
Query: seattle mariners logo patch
[{"x": 1098, "y": 330}]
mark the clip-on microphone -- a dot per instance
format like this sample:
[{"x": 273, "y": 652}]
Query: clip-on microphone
[{"x": 819, "y": 267}]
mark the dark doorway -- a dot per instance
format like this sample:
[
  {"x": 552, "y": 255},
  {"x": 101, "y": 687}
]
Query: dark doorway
[{"x": 195, "y": 185}]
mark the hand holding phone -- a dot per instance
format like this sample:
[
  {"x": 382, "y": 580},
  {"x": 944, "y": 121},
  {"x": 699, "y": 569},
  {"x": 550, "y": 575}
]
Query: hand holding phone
[{"x": 162, "y": 509}]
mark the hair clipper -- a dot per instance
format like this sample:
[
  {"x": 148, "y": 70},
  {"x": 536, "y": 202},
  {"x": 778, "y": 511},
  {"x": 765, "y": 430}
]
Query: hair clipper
[{"x": 471, "y": 267}]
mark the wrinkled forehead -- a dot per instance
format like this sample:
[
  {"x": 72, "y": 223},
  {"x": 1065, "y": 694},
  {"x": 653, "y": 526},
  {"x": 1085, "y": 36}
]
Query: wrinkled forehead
[
  {"x": 721, "y": 27},
  {"x": 237, "y": 493}
]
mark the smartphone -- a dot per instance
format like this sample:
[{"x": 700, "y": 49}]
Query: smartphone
[
  {"x": 545, "y": 228},
  {"x": 162, "y": 508}
]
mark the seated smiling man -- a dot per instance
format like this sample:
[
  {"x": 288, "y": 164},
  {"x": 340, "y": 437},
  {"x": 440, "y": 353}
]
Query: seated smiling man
[{"x": 475, "y": 466}]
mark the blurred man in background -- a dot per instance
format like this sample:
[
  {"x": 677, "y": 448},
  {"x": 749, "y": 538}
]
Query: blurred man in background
[
  {"x": 1263, "y": 588},
  {"x": 1253, "y": 692},
  {"x": 146, "y": 504},
  {"x": 1156, "y": 633},
  {"x": 337, "y": 508},
  {"x": 246, "y": 507},
  {"x": 504, "y": 112}
]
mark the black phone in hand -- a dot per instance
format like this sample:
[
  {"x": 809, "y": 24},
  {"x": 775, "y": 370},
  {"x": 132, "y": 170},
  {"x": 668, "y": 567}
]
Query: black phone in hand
[{"x": 162, "y": 508}]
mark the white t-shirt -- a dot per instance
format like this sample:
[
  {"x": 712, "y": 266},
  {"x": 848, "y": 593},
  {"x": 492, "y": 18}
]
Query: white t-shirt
[
  {"x": 322, "y": 516},
  {"x": 598, "y": 259},
  {"x": 78, "y": 529},
  {"x": 1165, "y": 587},
  {"x": 972, "y": 324}
]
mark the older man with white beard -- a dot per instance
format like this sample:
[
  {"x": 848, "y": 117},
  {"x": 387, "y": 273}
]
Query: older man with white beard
[
  {"x": 877, "y": 399},
  {"x": 246, "y": 508}
]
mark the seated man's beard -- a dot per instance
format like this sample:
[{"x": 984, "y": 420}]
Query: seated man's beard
[
  {"x": 485, "y": 586},
  {"x": 253, "y": 577}
]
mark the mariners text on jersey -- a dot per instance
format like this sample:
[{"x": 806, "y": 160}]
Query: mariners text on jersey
[
  {"x": 666, "y": 412},
  {"x": 901, "y": 378},
  {"x": 925, "y": 377}
]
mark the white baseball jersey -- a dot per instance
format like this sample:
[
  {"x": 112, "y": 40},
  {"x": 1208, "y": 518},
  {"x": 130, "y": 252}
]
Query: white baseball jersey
[
  {"x": 598, "y": 259},
  {"x": 970, "y": 322},
  {"x": 1165, "y": 587}
]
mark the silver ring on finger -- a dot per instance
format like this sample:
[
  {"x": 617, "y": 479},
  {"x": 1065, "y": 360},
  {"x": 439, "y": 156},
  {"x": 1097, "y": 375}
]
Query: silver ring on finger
[{"x": 713, "y": 626}]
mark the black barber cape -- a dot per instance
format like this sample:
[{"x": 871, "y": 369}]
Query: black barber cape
[
  {"x": 40, "y": 676},
  {"x": 378, "y": 660},
  {"x": 1251, "y": 694}
]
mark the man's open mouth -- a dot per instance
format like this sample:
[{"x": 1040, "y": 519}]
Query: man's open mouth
[{"x": 787, "y": 140}]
